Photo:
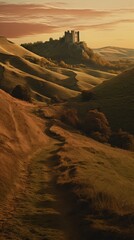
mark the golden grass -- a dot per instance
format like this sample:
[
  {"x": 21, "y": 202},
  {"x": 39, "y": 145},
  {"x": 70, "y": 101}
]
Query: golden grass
[
  {"x": 20, "y": 136},
  {"x": 115, "y": 99},
  {"x": 102, "y": 178}
]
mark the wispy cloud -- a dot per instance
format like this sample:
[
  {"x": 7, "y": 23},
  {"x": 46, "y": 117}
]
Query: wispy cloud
[
  {"x": 24, "y": 10},
  {"x": 15, "y": 30},
  {"x": 17, "y": 20},
  {"x": 104, "y": 26}
]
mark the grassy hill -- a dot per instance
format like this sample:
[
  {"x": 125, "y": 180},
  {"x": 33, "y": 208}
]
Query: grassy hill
[
  {"x": 92, "y": 182},
  {"x": 100, "y": 181},
  {"x": 86, "y": 184},
  {"x": 10, "y": 48},
  {"x": 115, "y": 98},
  {"x": 19, "y": 132},
  {"x": 46, "y": 80}
]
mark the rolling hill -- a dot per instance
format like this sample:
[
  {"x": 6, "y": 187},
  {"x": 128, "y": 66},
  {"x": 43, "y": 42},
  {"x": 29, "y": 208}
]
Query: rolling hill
[
  {"x": 75, "y": 187},
  {"x": 115, "y": 53},
  {"x": 47, "y": 81},
  {"x": 10, "y": 48}
]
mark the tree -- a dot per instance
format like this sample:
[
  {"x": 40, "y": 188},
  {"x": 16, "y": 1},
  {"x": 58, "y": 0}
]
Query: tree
[
  {"x": 122, "y": 140},
  {"x": 22, "y": 92},
  {"x": 96, "y": 124}
]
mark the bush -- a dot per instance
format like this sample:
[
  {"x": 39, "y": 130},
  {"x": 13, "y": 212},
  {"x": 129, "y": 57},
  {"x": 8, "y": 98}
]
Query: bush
[
  {"x": 87, "y": 95},
  {"x": 122, "y": 140},
  {"x": 96, "y": 125},
  {"x": 70, "y": 117},
  {"x": 99, "y": 137},
  {"x": 63, "y": 64},
  {"x": 22, "y": 92}
]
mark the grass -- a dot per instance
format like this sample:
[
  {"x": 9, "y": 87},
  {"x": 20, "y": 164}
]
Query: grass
[
  {"x": 36, "y": 214},
  {"x": 102, "y": 180},
  {"x": 115, "y": 99}
]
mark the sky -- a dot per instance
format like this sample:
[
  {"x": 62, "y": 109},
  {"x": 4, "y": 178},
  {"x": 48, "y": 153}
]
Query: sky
[{"x": 100, "y": 22}]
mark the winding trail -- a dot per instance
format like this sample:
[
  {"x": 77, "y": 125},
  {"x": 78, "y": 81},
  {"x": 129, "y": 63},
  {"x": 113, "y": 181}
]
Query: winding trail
[{"x": 41, "y": 210}]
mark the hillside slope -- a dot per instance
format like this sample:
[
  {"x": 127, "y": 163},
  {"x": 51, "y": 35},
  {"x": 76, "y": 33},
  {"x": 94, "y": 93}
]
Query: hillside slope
[
  {"x": 115, "y": 98},
  {"x": 70, "y": 53},
  {"x": 95, "y": 176},
  {"x": 73, "y": 188},
  {"x": 47, "y": 81},
  {"x": 8, "y": 47},
  {"x": 20, "y": 133}
]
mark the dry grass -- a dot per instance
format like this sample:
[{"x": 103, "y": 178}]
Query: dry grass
[
  {"x": 102, "y": 179},
  {"x": 115, "y": 99},
  {"x": 20, "y": 136}
]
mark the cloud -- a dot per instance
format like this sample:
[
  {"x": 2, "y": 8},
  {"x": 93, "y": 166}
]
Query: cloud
[
  {"x": 24, "y": 10},
  {"x": 104, "y": 26},
  {"x": 56, "y": 4},
  {"x": 17, "y": 20},
  {"x": 15, "y": 30},
  {"x": 112, "y": 24}
]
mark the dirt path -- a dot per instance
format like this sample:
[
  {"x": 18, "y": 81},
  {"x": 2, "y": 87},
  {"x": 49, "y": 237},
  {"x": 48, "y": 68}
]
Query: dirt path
[{"x": 41, "y": 211}]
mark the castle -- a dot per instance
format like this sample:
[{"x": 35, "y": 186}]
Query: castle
[{"x": 72, "y": 37}]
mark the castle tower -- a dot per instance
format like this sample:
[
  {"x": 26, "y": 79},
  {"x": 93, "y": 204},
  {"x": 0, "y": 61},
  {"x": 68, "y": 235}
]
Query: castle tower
[{"x": 72, "y": 37}]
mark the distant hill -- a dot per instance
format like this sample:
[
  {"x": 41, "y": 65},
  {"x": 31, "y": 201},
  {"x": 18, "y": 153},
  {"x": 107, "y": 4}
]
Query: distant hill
[
  {"x": 115, "y": 53},
  {"x": 73, "y": 53}
]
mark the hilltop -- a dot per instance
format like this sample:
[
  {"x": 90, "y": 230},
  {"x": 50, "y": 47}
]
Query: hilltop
[{"x": 72, "y": 53}]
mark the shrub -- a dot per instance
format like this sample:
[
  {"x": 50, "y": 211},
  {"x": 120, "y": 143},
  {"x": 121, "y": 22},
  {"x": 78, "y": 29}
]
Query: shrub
[
  {"x": 96, "y": 124},
  {"x": 22, "y": 92},
  {"x": 87, "y": 95},
  {"x": 122, "y": 140},
  {"x": 70, "y": 117},
  {"x": 63, "y": 64},
  {"x": 99, "y": 137}
]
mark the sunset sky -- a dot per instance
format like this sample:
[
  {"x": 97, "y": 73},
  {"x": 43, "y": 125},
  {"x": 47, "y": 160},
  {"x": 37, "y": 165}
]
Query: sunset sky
[{"x": 100, "y": 22}]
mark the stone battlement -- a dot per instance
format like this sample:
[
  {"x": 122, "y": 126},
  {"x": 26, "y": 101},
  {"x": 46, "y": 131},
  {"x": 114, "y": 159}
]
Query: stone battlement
[{"x": 72, "y": 36}]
